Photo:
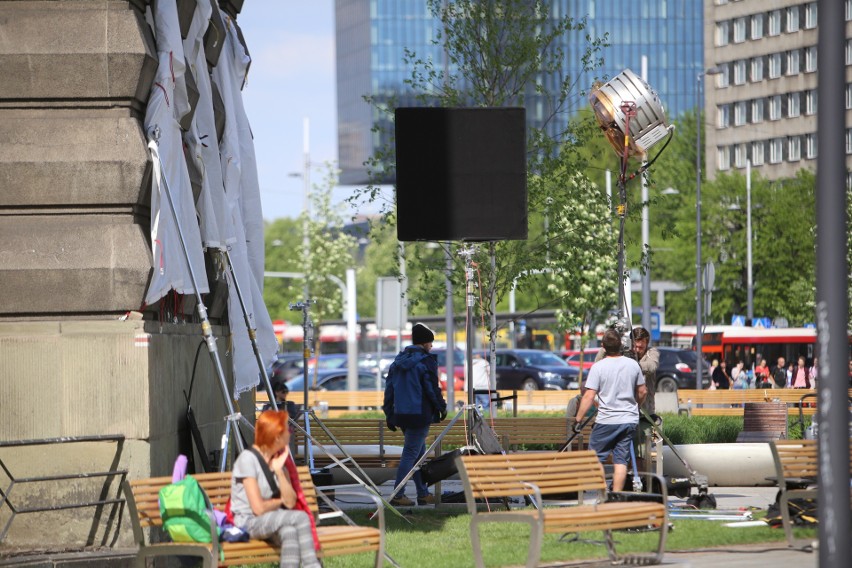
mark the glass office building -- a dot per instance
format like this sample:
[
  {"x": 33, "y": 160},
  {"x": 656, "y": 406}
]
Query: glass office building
[{"x": 372, "y": 36}]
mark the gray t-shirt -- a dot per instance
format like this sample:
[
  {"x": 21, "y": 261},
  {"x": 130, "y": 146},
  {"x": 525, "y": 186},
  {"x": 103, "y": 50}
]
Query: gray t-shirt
[
  {"x": 246, "y": 465},
  {"x": 615, "y": 379}
]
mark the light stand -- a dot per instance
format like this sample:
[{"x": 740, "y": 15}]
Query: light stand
[
  {"x": 206, "y": 329},
  {"x": 307, "y": 351},
  {"x": 252, "y": 332},
  {"x": 467, "y": 253}
]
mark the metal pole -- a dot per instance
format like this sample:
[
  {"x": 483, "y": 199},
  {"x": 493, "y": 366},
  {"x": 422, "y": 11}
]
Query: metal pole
[
  {"x": 835, "y": 547},
  {"x": 451, "y": 332},
  {"x": 252, "y": 332},
  {"x": 646, "y": 244},
  {"x": 749, "y": 277},
  {"x": 351, "y": 333},
  {"x": 306, "y": 206},
  {"x": 206, "y": 329},
  {"x": 698, "y": 290}
]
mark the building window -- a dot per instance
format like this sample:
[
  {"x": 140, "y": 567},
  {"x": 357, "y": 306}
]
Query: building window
[
  {"x": 849, "y": 140},
  {"x": 740, "y": 72},
  {"x": 724, "y": 158},
  {"x": 740, "y": 155},
  {"x": 757, "y": 153},
  {"x": 810, "y": 59},
  {"x": 775, "y": 107},
  {"x": 793, "y": 105},
  {"x": 776, "y": 150},
  {"x": 775, "y": 22},
  {"x": 848, "y": 96},
  {"x": 774, "y": 65},
  {"x": 724, "y": 77},
  {"x": 739, "y": 30},
  {"x": 810, "y": 146},
  {"x": 757, "y": 111},
  {"x": 724, "y": 119},
  {"x": 792, "y": 19},
  {"x": 848, "y": 10},
  {"x": 740, "y": 109},
  {"x": 794, "y": 149},
  {"x": 757, "y": 69},
  {"x": 793, "y": 62},
  {"x": 848, "y": 52},
  {"x": 810, "y": 102},
  {"x": 811, "y": 15},
  {"x": 757, "y": 26},
  {"x": 722, "y": 31}
]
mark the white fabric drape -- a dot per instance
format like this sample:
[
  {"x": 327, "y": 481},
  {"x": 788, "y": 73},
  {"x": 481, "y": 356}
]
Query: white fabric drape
[
  {"x": 242, "y": 199},
  {"x": 167, "y": 103}
]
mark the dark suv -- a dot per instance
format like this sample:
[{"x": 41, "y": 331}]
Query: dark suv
[
  {"x": 534, "y": 369},
  {"x": 677, "y": 370}
]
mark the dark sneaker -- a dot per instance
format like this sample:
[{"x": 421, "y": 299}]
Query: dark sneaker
[
  {"x": 426, "y": 500},
  {"x": 402, "y": 501}
]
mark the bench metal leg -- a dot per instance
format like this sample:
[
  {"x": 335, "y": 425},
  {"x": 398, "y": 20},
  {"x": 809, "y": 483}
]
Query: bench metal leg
[{"x": 536, "y": 537}]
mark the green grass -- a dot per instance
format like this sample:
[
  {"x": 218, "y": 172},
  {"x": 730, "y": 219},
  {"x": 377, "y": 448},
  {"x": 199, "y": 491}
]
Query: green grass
[{"x": 438, "y": 539}]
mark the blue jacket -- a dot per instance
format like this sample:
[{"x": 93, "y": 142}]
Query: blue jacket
[{"x": 412, "y": 393}]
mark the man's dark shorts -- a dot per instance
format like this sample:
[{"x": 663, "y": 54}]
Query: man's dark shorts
[{"x": 612, "y": 438}]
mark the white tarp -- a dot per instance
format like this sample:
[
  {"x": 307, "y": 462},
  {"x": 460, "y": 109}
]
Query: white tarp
[
  {"x": 242, "y": 199},
  {"x": 217, "y": 230},
  {"x": 167, "y": 103}
]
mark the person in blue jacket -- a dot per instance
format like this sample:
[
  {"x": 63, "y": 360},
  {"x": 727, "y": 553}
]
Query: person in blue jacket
[{"x": 412, "y": 402}]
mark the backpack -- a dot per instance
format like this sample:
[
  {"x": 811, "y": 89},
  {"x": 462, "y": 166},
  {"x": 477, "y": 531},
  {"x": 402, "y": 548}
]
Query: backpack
[{"x": 183, "y": 508}]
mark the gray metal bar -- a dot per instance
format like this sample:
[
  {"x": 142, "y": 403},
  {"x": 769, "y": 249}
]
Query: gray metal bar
[{"x": 835, "y": 547}]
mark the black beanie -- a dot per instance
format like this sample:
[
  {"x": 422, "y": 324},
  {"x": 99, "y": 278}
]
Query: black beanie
[{"x": 421, "y": 334}]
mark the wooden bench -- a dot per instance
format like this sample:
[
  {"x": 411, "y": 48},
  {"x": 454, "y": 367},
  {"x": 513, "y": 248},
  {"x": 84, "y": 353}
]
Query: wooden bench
[
  {"x": 549, "y": 473},
  {"x": 796, "y": 471},
  {"x": 730, "y": 402},
  {"x": 142, "y": 503}
]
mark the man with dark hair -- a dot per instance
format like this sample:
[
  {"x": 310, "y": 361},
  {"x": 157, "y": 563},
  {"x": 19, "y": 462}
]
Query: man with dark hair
[
  {"x": 413, "y": 401},
  {"x": 619, "y": 386}
]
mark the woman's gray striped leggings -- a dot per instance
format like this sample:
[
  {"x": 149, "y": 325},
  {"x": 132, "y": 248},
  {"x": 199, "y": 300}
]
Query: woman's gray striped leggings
[{"x": 289, "y": 529}]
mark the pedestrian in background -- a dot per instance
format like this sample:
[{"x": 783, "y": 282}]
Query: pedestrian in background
[{"x": 412, "y": 402}]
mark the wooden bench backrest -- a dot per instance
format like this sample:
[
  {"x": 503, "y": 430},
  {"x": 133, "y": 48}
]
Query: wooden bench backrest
[
  {"x": 217, "y": 485},
  {"x": 799, "y": 458},
  {"x": 552, "y": 472}
]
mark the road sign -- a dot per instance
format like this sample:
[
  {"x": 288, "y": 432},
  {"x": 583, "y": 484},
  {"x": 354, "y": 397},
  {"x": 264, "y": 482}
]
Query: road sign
[{"x": 738, "y": 320}]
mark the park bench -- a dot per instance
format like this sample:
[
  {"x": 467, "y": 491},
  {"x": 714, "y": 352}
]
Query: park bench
[
  {"x": 142, "y": 501},
  {"x": 730, "y": 402},
  {"x": 539, "y": 474},
  {"x": 796, "y": 471}
]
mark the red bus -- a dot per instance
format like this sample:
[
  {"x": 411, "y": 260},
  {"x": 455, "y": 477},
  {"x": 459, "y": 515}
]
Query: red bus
[{"x": 750, "y": 344}]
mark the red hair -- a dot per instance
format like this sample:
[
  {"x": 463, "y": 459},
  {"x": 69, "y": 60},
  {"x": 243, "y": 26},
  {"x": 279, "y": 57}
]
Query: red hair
[{"x": 269, "y": 427}]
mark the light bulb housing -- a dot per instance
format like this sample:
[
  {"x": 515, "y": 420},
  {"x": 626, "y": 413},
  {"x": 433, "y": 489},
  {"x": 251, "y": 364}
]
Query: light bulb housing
[{"x": 646, "y": 128}]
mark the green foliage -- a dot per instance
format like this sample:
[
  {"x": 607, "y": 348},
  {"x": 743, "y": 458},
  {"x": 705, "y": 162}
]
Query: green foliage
[
  {"x": 283, "y": 238},
  {"x": 496, "y": 54}
]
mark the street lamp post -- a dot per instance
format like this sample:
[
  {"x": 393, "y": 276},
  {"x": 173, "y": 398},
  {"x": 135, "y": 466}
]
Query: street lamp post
[
  {"x": 699, "y": 105},
  {"x": 749, "y": 274}
]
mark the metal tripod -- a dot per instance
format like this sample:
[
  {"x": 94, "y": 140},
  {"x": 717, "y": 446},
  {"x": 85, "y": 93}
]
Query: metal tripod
[
  {"x": 307, "y": 350},
  {"x": 252, "y": 332},
  {"x": 206, "y": 328}
]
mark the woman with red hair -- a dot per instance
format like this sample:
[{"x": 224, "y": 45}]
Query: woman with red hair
[{"x": 278, "y": 514}]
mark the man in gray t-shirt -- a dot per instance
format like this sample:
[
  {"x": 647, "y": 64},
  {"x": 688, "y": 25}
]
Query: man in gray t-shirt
[{"x": 619, "y": 385}]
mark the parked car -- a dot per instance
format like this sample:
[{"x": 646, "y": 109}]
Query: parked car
[
  {"x": 458, "y": 368},
  {"x": 534, "y": 369},
  {"x": 286, "y": 366},
  {"x": 572, "y": 357},
  {"x": 369, "y": 362},
  {"x": 332, "y": 379},
  {"x": 677, "y": 370}
]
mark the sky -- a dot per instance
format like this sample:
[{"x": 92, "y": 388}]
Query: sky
[{"x": 292, "y": 77}]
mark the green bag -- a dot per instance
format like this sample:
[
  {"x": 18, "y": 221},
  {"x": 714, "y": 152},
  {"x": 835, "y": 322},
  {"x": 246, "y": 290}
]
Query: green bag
[{"x": 183, "y": 508}]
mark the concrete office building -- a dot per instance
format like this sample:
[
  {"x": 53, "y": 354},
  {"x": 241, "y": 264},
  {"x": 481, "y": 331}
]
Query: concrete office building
[
  {"x": 372, "y": 36},
  {"x": 762, "y": 106}
]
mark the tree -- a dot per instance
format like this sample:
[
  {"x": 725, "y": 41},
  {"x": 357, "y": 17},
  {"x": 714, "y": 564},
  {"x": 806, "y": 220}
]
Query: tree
[
  {"x": 497, "y": 53},
  {"x": 283, "y": 238}
]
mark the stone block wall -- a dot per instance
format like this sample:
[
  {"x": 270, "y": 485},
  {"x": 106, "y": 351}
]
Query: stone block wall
[{"x": 74, "y": 226}]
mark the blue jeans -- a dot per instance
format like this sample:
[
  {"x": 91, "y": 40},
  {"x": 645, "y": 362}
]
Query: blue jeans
[
  {"x": 412, "y": 450},
  {"x": 483, "y": 400}
]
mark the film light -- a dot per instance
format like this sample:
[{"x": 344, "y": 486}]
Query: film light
[{"x": 646, "y": 128}]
